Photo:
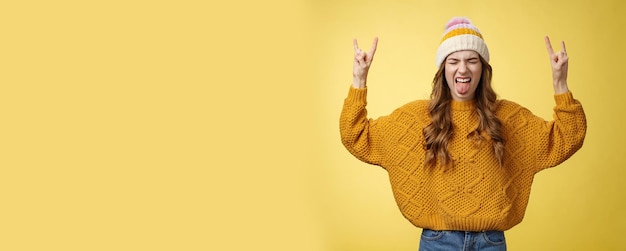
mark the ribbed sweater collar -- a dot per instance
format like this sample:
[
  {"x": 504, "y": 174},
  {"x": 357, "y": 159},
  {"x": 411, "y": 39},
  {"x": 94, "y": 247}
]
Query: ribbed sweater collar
[{"x": 463, "y": 105}]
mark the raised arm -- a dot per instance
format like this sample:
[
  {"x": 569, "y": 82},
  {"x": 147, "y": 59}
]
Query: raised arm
[
  {"x": 557, "y": 140},
  {"x": 362, "y": 62}
]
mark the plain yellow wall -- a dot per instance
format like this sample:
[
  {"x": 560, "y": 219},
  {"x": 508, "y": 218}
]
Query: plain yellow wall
[{"x": 195, "y": 125}]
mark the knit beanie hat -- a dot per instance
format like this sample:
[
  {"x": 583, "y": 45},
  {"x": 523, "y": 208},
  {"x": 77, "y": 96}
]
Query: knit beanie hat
[{"x": 460, "y": 35}]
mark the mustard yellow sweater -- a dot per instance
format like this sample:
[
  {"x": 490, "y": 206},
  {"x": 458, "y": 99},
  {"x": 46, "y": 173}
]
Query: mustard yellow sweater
[{"x": 476, "y": 194}]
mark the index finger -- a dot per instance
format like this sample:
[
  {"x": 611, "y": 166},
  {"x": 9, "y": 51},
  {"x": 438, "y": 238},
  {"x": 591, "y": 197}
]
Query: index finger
[
  {"x": 549, "y": 45},
  {"x": 374, "y": 45}
]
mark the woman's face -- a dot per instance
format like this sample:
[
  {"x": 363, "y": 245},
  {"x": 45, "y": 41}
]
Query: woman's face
[{"x": 463, "y": 70}]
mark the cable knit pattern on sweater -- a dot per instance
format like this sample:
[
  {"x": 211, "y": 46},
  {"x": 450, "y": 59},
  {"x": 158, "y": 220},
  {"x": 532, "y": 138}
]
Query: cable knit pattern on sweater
[{"x": 476, "y": 193}]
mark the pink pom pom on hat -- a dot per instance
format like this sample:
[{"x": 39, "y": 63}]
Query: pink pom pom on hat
[{"x": 460, "y": 35}]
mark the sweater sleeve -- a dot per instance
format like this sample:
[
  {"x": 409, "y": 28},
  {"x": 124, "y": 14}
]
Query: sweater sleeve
[
  {"x": 360, "y": 135},
  {"x": 559, "y": 139}
]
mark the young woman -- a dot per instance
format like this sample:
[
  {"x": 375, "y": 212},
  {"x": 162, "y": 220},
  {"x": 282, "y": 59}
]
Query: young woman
[{"x": 461, "y": 164}]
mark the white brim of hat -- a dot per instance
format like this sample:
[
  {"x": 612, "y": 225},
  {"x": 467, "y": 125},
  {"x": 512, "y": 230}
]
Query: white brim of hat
[{"x": 461, "y": 43}]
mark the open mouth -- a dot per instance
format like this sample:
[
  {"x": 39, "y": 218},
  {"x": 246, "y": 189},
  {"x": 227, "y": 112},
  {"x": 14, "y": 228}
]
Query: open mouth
[{"x": 462, "y": 85}]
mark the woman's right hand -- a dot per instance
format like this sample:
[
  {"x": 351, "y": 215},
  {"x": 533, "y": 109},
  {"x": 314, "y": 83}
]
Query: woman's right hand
[{"x": 362, "y": 62}]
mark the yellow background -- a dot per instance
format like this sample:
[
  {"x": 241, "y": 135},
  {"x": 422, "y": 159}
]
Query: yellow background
[{"x": 195, "y": 125}]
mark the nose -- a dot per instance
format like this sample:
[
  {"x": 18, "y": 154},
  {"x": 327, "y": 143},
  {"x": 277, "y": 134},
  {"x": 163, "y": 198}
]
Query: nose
[{"x": 462, "y": 67}]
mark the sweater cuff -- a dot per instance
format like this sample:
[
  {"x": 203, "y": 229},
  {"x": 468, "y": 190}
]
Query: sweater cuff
[
  {"x": 564, "y": 99},
  {"x": 357, "y": 95}
]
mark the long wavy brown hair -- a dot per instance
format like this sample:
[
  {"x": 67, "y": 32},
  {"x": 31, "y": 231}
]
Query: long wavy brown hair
[{"x": 439, "y": 133}]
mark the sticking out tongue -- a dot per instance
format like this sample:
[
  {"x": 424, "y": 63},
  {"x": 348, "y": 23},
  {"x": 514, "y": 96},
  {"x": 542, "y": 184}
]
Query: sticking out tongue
[{"x": 462, "y": 88}]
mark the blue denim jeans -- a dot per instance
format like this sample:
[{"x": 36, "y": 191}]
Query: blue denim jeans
[{"x": 433, "y": 240}]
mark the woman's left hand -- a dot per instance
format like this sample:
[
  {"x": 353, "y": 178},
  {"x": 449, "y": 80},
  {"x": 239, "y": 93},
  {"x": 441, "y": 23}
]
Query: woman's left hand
[{"x": 559, "y": 62}]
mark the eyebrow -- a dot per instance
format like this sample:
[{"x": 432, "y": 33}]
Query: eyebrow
[{"x": 468, "y": 59}]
